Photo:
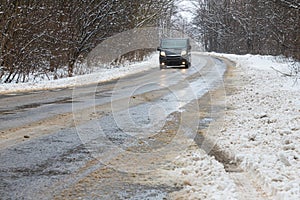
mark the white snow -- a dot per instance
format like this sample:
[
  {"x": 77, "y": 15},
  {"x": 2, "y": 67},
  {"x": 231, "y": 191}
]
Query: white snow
[
  {"x": 261, "y": 129},
  {"x": 100, "y": 74},
  {"x": 262, "y": 124}
]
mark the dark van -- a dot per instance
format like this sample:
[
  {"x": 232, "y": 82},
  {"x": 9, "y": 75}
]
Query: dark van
[{"x": 174, "y": 52}]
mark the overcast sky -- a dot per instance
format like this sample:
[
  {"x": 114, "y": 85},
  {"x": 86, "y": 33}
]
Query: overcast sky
[{"x": 186, "y": 8}]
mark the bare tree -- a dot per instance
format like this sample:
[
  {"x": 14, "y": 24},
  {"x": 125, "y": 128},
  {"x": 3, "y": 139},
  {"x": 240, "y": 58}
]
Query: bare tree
[
  {"x": 41, "y": 37},
  {"x": 249, "y": 26},
  {"x": 20, "y": 51}
]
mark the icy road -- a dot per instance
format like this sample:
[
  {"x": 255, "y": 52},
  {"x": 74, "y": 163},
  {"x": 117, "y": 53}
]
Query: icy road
[{"x": 112, "y": 140}]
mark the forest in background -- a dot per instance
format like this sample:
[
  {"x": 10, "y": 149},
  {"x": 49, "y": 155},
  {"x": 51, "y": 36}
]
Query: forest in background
[
  {"x": 42, "y": 37},
  {"x": 38, "y": 38},
  {"x": 268, "y": 27}
]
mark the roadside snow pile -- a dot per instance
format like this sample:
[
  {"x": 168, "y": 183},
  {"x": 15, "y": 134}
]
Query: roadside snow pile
[
  {"x": 200, "y": 176},
  {"x": 100, "y": 75},
  {"x": 262, "y": 125}
]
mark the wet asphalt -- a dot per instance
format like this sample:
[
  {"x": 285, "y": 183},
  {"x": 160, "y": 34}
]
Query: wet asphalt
[{"x": 125, "y": 114}]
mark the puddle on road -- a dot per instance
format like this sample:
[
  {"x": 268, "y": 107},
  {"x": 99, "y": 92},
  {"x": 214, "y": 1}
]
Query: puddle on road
[{"x": 26, "y": 107}]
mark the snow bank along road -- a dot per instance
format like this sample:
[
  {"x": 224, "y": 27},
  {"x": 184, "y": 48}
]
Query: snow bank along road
[
  {"x": 143, "y": 136},
  {"x": 261, "y": 128}
]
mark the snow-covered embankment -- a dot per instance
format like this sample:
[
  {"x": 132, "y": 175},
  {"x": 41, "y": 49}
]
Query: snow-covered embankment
[{"x": 262, "y": 128}]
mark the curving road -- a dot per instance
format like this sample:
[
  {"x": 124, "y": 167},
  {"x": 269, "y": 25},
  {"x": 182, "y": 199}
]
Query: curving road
[{"x": 52, "y": 140}]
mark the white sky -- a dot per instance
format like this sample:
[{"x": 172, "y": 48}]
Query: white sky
[{"x": 186, "y": 9}]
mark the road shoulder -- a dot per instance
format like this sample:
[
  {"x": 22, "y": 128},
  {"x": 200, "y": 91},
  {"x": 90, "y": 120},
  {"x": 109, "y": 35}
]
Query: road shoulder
[{"x": 260, "y": 133}]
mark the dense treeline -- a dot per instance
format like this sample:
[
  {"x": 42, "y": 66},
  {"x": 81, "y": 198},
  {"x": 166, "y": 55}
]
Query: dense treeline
[
  {"x": 52, "y": 37},
  {"x": 38, "y": 37},
  {"x": 249, "y": 26}
]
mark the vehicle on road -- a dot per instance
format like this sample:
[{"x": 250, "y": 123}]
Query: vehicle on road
[{"x": 174, "y": 52}]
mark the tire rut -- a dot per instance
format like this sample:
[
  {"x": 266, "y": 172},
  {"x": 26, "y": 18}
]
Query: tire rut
[{"x": 246, "y": 185}]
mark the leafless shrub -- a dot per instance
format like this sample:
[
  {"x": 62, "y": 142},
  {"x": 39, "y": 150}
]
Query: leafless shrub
[
  {"x": 43, "y": 37},
  {"x": 293, "y": 67}
]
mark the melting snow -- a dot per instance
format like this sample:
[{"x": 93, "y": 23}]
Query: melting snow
[{"x": 261, "y": 129}]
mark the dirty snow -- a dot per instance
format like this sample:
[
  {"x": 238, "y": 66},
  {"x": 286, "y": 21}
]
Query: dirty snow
[
  {"x": 201, "y": 176},
  {"x": 261, "y": 130},
  {"x": 262, "y": 124}
]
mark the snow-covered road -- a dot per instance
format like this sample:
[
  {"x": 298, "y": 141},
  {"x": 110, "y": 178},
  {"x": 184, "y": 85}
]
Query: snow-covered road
[{"x": 259, "y": 133}]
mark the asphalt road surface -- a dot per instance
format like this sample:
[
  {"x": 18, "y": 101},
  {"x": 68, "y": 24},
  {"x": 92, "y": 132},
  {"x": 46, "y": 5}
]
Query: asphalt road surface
[{"x": 51, "y": 140}]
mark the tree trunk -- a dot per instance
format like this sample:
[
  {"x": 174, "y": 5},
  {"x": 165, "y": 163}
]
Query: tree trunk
[{"x": 71, "y": 67}]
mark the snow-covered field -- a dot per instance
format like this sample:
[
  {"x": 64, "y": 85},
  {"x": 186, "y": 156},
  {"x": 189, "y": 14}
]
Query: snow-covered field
[{"x": 261, "y": 130}]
